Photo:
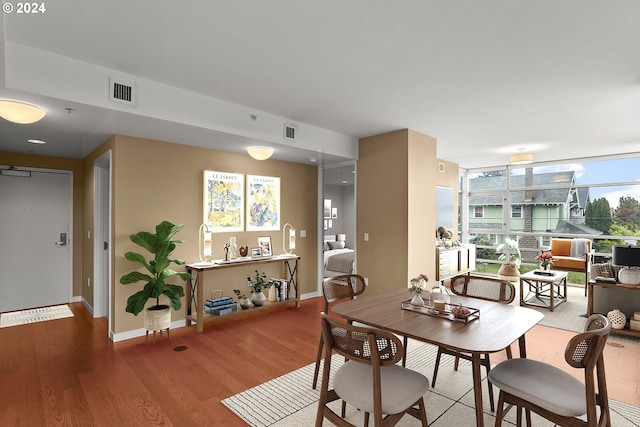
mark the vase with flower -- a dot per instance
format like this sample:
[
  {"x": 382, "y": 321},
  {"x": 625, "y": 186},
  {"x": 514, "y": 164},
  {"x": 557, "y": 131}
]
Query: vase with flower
[
  {"x": 546, "y": 259},
  {"x": 418, "y": 285}
]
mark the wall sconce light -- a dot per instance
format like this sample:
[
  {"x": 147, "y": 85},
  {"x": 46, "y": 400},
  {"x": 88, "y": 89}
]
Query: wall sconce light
[
  {"x": 260, "y": 153},
  {"x": 521, "y": 159},
  {"x": 20, "y": 112},
  {"x": 204, "y": 243},
  {"x": 627, "y": 256},
  {"x": 292, "y": 239}
]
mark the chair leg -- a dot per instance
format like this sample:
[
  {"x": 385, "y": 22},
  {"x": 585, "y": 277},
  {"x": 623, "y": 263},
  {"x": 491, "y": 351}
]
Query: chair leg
[
  {"x": 343, "y": 413},
  {"x": 509, "y": 354},
  {"x": 500, "y": 410},
  {"x": 405, "y": 341},
  {"x": 366, "y": 419},
  {"x": 318, "y": 359},
  {"x": 435, "y": 368},
  {"x": 423, "y": 413},
  {"x": 455, "y": 363},
  {"x": 489, "y": 385}
]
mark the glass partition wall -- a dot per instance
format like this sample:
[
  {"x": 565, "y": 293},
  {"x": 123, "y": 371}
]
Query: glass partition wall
[{"x": 597, "y": 199}]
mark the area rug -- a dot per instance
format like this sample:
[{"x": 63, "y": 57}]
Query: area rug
[
  {"x": 15, "y": 318},
  {"x": 289, "y": 400},
  {"x": 569, "y": 315}
]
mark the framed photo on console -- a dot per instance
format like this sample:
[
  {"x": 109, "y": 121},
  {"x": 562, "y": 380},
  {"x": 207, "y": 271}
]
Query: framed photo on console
[
  {"x": 256, "y": 252},
  {"x": 265, "y": 245}
]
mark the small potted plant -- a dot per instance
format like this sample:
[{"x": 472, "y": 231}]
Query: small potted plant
[
  {"x": 510, "y": 252},
  {"x": 257, "y": 284},
  {"x": 242, "y": 298}
]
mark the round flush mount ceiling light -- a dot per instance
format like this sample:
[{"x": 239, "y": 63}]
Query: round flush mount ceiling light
[
  {"x": 20, "y": 112},
  {"x": 260, "y": 153},
  {"x": 36, "y": 141}
]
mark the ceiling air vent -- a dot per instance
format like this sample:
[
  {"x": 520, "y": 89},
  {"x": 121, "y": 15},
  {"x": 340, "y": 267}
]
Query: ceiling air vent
[
  {"x": 122, "y": 92},
  {"x": 290, "y": 132}
]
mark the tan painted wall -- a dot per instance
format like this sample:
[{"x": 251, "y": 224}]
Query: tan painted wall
[
  {"x": 422, "y": 183},
  {"x": 382, "y": 208},
  {"x": 45, "y": 162},
  {"x": 397, "y": 176},
  {"x": 155, "y": 180}
]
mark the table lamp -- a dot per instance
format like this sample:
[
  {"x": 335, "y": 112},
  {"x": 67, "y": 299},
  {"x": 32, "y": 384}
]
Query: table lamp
[
  {"x": 292, "y": 239},
  {"x": 629, "y": 258},
  {"x": 204, "y": 243}
]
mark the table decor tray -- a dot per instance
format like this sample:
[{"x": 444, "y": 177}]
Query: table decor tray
[{"x": 447, "y": 313}]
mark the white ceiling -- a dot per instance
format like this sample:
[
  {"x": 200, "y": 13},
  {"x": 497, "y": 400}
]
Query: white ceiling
[{"x": 485, "y": 78}]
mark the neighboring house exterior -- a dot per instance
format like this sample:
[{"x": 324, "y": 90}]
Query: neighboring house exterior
[{"x": 553, "y": 204}]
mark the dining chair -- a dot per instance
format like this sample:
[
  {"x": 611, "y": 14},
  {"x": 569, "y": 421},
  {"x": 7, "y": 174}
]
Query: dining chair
[
  {"x": 485, "y": 288},
  {"x": 370, "y": 379},
  {"x": 554, "y": 394},
  {"x": 337, "y": 288}
]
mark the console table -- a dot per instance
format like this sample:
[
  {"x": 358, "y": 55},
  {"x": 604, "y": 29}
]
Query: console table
[
  {"x": 195, "y": 288},
  {"x": 625, "y": 291}
]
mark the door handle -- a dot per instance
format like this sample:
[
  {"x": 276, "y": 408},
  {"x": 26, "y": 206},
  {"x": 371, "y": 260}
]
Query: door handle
[{"x": 62, "y": 241}]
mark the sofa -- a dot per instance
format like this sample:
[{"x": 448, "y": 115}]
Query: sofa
[{"x": 573, "y": 255}]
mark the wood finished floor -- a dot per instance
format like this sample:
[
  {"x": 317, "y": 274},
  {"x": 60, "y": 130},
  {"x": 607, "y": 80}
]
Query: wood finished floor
[{"x": 67, "y": 373}]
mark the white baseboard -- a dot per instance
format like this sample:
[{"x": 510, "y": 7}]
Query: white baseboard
[
  {"x": 309, "y": 295},
  {"x": 86, "y": 305},
  {"x": 135, "y": 333}
]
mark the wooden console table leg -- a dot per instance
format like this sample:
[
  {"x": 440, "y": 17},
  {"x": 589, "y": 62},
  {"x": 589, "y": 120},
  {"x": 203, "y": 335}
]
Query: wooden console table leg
[{"x": 199, "y": 301}]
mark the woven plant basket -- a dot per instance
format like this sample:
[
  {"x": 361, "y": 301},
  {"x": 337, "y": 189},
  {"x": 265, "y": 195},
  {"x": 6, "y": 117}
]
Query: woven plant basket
[{"x": 508, "y": 271}]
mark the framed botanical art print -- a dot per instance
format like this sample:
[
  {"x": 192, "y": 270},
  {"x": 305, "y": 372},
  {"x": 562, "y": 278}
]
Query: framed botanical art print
[
  {"x": 223, "y": 201},
  {"x": 263, "y": 203}
]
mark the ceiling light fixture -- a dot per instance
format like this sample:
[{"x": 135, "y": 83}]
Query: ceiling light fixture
[
  {"x": 521, "y": 159},
  {"x": 20, "y": 112},
  {"x": 260, "y": 153},
  {"x": 13, "y": 171},
  {"x": 36, "y": 141}
]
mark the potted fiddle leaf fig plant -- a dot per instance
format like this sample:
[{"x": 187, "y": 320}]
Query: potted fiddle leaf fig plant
[{"x": 160, "y": 244}]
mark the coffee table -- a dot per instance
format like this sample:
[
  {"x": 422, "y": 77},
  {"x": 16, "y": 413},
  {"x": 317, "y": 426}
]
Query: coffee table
[{"x": 553, "y": 288}]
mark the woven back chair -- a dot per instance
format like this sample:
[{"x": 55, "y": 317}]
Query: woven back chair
[
  {"x": 370, "y": 379},
  {"x": 485, "y": 288},
  {"x": 553, "y": 393},
  {"x": 337, "y": 288}
]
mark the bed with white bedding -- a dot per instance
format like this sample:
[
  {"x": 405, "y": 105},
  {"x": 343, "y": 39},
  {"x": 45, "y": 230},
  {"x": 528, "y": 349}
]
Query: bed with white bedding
[{"x": 337, "y": 259}]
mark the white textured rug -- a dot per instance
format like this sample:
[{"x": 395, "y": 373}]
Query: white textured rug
[
  {"x": 289, "y": 401},
  {"x": 34, "y": 315}
]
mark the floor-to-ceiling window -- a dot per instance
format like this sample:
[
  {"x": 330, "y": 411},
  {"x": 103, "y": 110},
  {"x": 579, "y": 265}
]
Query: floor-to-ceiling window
[{"x": 598, "y": 199}]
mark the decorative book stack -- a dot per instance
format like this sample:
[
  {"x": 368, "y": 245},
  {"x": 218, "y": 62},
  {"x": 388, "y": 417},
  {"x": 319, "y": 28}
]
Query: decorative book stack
[{"x": 220, "y": 306}]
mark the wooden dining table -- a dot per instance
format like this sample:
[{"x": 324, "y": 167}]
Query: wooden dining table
[{"x": 498, "y": 326}]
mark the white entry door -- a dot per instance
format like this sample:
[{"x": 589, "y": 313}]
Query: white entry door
[{"x": 35, "y": 240}]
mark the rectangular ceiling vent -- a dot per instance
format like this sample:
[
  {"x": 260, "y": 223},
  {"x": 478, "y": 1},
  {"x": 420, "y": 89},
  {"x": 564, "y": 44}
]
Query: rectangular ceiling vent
[
  {"x": 122, "y": 92},
  {"x": 290, "y": 132}
]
